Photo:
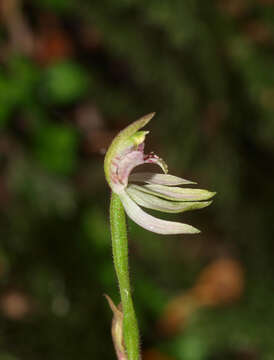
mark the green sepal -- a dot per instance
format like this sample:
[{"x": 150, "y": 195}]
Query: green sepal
[{"x": 126, "y": 138}]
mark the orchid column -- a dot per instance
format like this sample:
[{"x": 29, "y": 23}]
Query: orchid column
[{"x": 158, "y": 192}]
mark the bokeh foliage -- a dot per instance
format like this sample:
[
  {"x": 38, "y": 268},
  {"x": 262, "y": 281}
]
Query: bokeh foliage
[{"x": 73, "y": 73}]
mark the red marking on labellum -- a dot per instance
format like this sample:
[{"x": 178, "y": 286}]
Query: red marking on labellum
[
  {"x": 150, "y": 156},
  {"x": 114, "y": 164},
  {"x": 114, "y": 178}
]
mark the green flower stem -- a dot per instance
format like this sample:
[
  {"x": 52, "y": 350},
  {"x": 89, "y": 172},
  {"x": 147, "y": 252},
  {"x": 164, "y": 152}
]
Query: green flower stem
[{"x": 120, "y": 256}]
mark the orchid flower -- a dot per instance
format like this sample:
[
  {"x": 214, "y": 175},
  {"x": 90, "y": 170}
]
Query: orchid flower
[{"x": 150, "y": 190}]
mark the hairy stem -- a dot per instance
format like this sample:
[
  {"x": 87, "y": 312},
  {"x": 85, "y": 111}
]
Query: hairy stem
[{"x": 120, "y": 256}]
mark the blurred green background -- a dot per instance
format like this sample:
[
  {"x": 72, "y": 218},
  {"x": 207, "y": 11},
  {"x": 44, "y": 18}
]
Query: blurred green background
[{"x": 72, "y": 74}]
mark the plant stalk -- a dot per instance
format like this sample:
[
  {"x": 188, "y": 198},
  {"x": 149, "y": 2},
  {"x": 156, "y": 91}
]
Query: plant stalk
[{"x": 120, "y": 256}]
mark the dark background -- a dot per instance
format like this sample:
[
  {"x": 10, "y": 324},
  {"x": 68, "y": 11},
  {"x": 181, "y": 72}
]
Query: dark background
[{"x": 72, "y": 74}]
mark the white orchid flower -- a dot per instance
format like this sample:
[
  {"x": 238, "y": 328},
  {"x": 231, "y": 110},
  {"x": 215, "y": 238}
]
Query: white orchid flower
[{"x": 147, "y": 189}]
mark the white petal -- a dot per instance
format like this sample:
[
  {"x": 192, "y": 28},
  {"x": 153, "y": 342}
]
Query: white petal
[
  {"x": 155, "y": 203},
  {"x": 160, "y": 179},
  {"x": 175, "y": 193},
  {"x": 150, "y": 222}
]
